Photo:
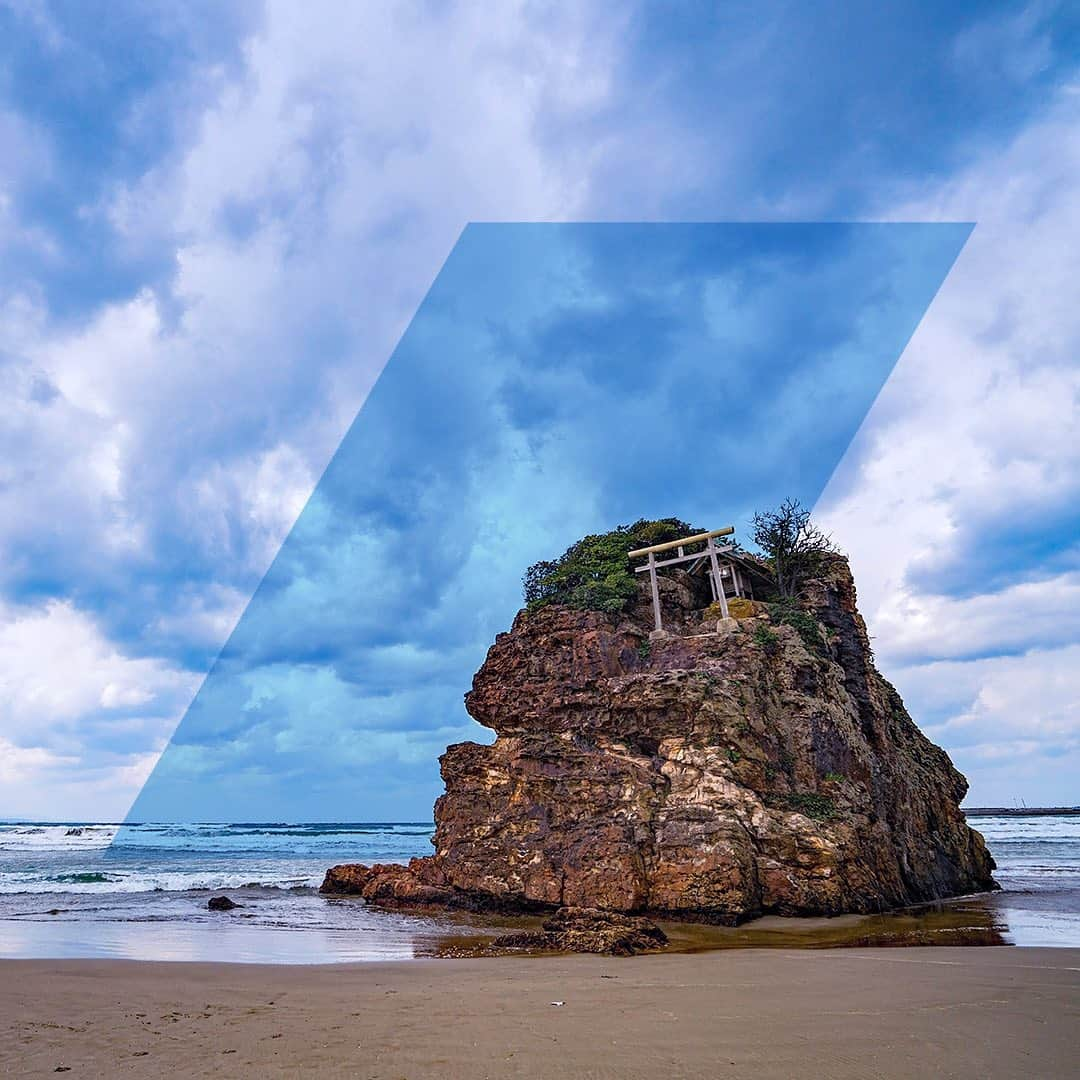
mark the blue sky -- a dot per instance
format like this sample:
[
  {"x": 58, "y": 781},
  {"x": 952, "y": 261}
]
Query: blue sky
[{"x": 217, "y": 225}]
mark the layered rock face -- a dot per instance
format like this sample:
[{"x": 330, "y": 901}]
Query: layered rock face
[{"x": 723, "y": 772}]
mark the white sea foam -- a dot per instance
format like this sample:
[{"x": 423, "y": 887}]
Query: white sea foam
[
  {"x": 1041, "y": 829},
  {"x": 94, "y": 882},
  {"x": 83, "y": 860},
  {"x": 56, "y": 837}
]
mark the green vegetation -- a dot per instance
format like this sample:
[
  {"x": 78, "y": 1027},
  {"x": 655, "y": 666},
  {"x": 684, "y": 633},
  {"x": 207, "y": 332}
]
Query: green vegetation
[
  {"x": 734, "y": 756},
  {"x": 595, "y": 574},
  {"x": 740, "y": 608},
  {"x": 894, "y": 703},
  {"x": 818, "y": 807},
  {"x": 835, "y": 777},
  {"x": 794, "y": 548},
  {"x": 644, "y": 649},
  {"x": 788, "y": 613},
  {"x": 707, "y": 681}
]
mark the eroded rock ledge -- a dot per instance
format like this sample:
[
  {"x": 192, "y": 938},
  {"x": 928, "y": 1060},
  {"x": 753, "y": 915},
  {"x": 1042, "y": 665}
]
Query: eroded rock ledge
[
  {"x": 711, "y": 775},
  {"x": 587, "y": 930}
]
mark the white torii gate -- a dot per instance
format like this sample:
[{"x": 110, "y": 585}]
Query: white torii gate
[{"x": 712, "y": 552}]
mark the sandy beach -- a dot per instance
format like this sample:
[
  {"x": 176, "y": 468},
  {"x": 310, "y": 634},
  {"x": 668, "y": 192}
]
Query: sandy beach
[{"x": 989, "y": 1012}]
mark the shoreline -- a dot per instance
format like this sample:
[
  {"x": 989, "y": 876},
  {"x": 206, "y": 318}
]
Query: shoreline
[
  {"x": 749, "y": 1012},
  {"x": 314, "y": 929},
  {"x": 404, "y": 935},
  {"x": 60, "y": 896}
]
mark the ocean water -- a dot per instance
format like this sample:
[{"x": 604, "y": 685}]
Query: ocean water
[
  {"x": 1038, "y": 869},
  {"x": 71, "y": 889},
  {"x": 140, "y": 892}
]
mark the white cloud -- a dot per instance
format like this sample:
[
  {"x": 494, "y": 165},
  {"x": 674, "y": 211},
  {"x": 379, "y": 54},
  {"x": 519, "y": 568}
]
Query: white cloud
[
  {"x": 974, "y": 440},
  {"x": 177, "y": 433},
  {"x": 43, "y": 786},
  {"x": 911, "y": 624},
  {"x": 18, "y": 761},
  {"x": 1011, "y": 722},
  {"x": 317, "y": 197},
  {"x": 203, "y": 617},
  {"x": 263, "y": 493},
  {"x": 1034, "y": 695},
  {"x": 55, "y": 665},
  {"x": 66, "y": 692},
  {"x": 64, "y": 456}
]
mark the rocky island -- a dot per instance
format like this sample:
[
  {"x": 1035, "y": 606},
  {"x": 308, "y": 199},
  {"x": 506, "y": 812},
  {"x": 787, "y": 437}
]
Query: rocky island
[{"x": 717, "y": 770}]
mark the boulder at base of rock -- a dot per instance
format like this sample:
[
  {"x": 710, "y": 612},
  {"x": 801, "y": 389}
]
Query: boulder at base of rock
[
  {"x": 349, "y": 879},
  {"x": 392, "y": 885},
  {"x": 588, "y": 930}
]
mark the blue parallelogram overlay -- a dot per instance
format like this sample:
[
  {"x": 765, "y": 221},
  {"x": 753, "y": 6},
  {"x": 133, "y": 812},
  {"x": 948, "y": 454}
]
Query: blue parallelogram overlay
[{"x": 557, "y": 380}]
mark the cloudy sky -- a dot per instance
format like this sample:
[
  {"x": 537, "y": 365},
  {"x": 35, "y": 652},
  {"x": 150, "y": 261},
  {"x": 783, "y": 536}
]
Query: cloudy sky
[
  {"x": 217, "y": 224},
  {"x": 556, "y": 379}
]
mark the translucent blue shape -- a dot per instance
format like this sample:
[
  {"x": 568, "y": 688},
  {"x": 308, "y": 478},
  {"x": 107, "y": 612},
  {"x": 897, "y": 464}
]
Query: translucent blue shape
[{"x": 557, "y": 380}]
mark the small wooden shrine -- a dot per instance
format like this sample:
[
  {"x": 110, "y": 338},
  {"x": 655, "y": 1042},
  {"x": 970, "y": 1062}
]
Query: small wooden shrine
[{"x": 727, "y": 571}]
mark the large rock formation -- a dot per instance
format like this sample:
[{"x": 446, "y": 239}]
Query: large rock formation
[{"x": 731, "y": 769}]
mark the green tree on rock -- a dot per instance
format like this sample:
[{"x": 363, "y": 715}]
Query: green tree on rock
[
  {"x": 794, "y": 548},
  {"x": 595, "y": 573}
]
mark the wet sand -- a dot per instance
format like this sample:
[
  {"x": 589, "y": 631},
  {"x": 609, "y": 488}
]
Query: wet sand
[{"x": 761, "y": 1013}]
